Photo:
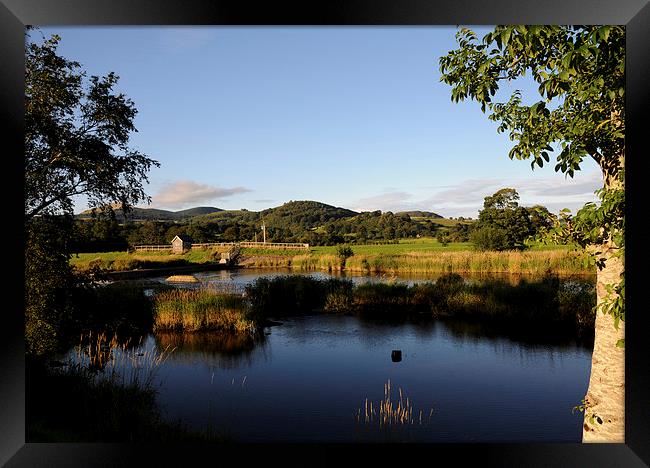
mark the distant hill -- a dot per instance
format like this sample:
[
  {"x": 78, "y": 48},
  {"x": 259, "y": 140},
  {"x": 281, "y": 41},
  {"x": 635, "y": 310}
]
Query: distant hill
[
  {"x": 306, "y": 214},
  {"x": 420, "y": 214},
  {"x": 198, "y": 211},
  {"x": 153, "y": 214}
]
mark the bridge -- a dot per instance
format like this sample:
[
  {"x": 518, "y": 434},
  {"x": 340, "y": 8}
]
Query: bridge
[{"x": 231, "y": 249}]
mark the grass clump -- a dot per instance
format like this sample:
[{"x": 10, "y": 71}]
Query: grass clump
[
  {"x": 387, "y": 413},
  {"x": 296, "y": 295},
  {"x": 201, "y": 309},
  {"x": 544, "y": 301}
]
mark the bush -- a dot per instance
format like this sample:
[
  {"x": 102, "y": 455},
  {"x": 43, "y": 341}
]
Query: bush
[
  {"x": 490, "y": 238},
  {"x": 294, "y": 295}
]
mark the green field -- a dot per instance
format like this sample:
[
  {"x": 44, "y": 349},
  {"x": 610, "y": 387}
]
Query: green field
[
  {"x": 425, "y": 255},
  {"x": 425, "y": 244}
]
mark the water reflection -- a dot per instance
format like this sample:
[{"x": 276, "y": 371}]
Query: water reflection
[
  {"x": 236, "y": 279},
  {"x": 216, "y": 349},
  {"x": 528, "y": 338},
  {"x": 307, "y": 380}
]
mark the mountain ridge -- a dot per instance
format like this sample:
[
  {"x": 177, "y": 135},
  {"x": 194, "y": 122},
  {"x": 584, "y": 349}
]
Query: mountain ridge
[{"x": 312, "y": 211}]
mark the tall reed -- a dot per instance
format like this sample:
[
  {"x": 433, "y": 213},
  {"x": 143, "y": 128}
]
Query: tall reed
[
  {"x": 201, "y": 309},
  {"x": 120, "y": 362},
  {"x": 389, "y": 413}
]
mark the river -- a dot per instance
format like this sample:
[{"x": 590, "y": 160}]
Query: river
[{"x": 311, "y": 379}]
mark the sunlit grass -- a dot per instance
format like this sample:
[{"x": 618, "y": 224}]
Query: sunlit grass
[
  {"x": 387, "y": 413},
  {"x": 201, "y": 309}
]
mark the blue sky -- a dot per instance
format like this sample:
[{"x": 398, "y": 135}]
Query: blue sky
[{"x": 251, "y": 118}]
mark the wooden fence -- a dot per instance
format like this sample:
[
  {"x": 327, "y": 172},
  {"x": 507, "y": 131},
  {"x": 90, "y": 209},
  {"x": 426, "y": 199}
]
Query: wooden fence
[
  {"x": 209, "y": 245},
  {"x": 149, "y": 248},
  {"x": 258, "y": 245},
  {"x": 274, "y": 245}
]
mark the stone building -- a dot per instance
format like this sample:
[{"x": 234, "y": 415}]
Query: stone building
[{"x": 181, "y": 244}]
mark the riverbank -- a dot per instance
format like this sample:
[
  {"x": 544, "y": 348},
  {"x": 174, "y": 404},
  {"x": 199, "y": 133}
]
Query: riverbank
[{"x": 407, "y": 256}]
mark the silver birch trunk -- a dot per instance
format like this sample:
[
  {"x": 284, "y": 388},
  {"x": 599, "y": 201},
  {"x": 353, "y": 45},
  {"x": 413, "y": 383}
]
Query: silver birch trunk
[{"x": 604, "y": 416}]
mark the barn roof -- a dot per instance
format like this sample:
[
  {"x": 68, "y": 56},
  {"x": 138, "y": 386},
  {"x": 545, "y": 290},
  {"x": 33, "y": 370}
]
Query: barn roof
[{"x": 184, "y": 238}]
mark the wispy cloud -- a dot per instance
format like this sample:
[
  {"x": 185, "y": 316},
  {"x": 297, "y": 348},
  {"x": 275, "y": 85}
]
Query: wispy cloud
[
  {"x": 186, "y": 192},
  {"x": 466, "y": 197}
]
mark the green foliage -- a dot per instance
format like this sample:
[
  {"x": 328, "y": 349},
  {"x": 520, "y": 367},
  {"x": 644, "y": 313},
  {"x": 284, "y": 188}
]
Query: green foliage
[
  {"x": 443, "y": 238},
  {"x": 344, "y": 252},
  {"x": 544, "y": 301},
  {"x": 299, "y": 221},
  {"x": 76, "y": 143},
  {"x": 490, "y": 238},
  {"x": 294, "y": 295},
  {"x": 502, "y": 224},
  {"x": 48, "y": 278},
  {"x": 601, "y": 229},
  {"x": 76, "y": 137},
  {"x": 580, "y": 72}
]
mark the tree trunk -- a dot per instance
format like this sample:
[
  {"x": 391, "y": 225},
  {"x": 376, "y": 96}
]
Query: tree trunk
[{"x": 604, "y": 416}]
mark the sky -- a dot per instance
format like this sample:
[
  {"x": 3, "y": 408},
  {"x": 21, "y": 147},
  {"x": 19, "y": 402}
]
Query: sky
[{"x": 355, "y": 117}]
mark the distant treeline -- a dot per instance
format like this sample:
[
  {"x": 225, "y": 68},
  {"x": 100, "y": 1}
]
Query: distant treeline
[{"x": 311, "y": 222}]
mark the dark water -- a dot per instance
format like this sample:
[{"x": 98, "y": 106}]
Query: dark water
[{"x": 307, "y": 379}]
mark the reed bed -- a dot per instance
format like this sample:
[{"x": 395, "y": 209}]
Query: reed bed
[
  {"x": 561, "y": 261},
  {"x": 388, "y": 413},
  {"x": 201, "y": 309},
  {"x": 544, "y": 300},
  {"x": 105, "y": 393},
  {"x": 526, "y": 262},
  {"x": 121, "y": 362},
  {"x": 296, "y": 295}
]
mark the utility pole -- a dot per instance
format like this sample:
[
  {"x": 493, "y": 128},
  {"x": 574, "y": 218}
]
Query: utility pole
[{"x": 264, "y": 231}]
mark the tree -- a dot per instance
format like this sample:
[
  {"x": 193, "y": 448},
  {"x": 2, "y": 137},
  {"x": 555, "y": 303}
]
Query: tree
[
  {"x": 502, "y": 224},
  {"x": 443, "y": 238},
  {"x": 541, "y": 219},
  {"x": 344, "y": 252},
  {"x": 580, "y": 73},
  {"x": 76, "y": 137},
  {"x": 76, "y": 143}
]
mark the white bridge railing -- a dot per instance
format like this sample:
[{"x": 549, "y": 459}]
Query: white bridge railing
[
  {"x": 145, "y": 248},
  {"x": 258, "y": 245}
]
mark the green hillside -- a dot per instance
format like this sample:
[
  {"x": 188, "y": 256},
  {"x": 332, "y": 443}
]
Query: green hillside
[
  {"x": 419, "y": 214},
  {"x": 154, "y": 214}
]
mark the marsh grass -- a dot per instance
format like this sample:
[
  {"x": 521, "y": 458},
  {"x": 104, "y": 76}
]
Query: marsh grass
[
  {"x": 116, "y": 361},
  {"x": 532, "y": 262},
  {"x": 387, "y": 413},
  {"x": 406, "y": 256},
  {"x": 296, "y": 295},
  {"x": 201, "y": 309},
  {"x": 103, "y": 393},
  {"x": 544, "y": 300}
]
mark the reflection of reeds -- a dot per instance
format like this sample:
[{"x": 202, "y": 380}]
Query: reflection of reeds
[
  {"x": 388, "y": 413},
  {"x": 118, "y": 362}
]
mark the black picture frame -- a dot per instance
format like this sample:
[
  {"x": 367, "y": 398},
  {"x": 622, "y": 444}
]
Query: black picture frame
[{"x": 15, "y": 14}]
